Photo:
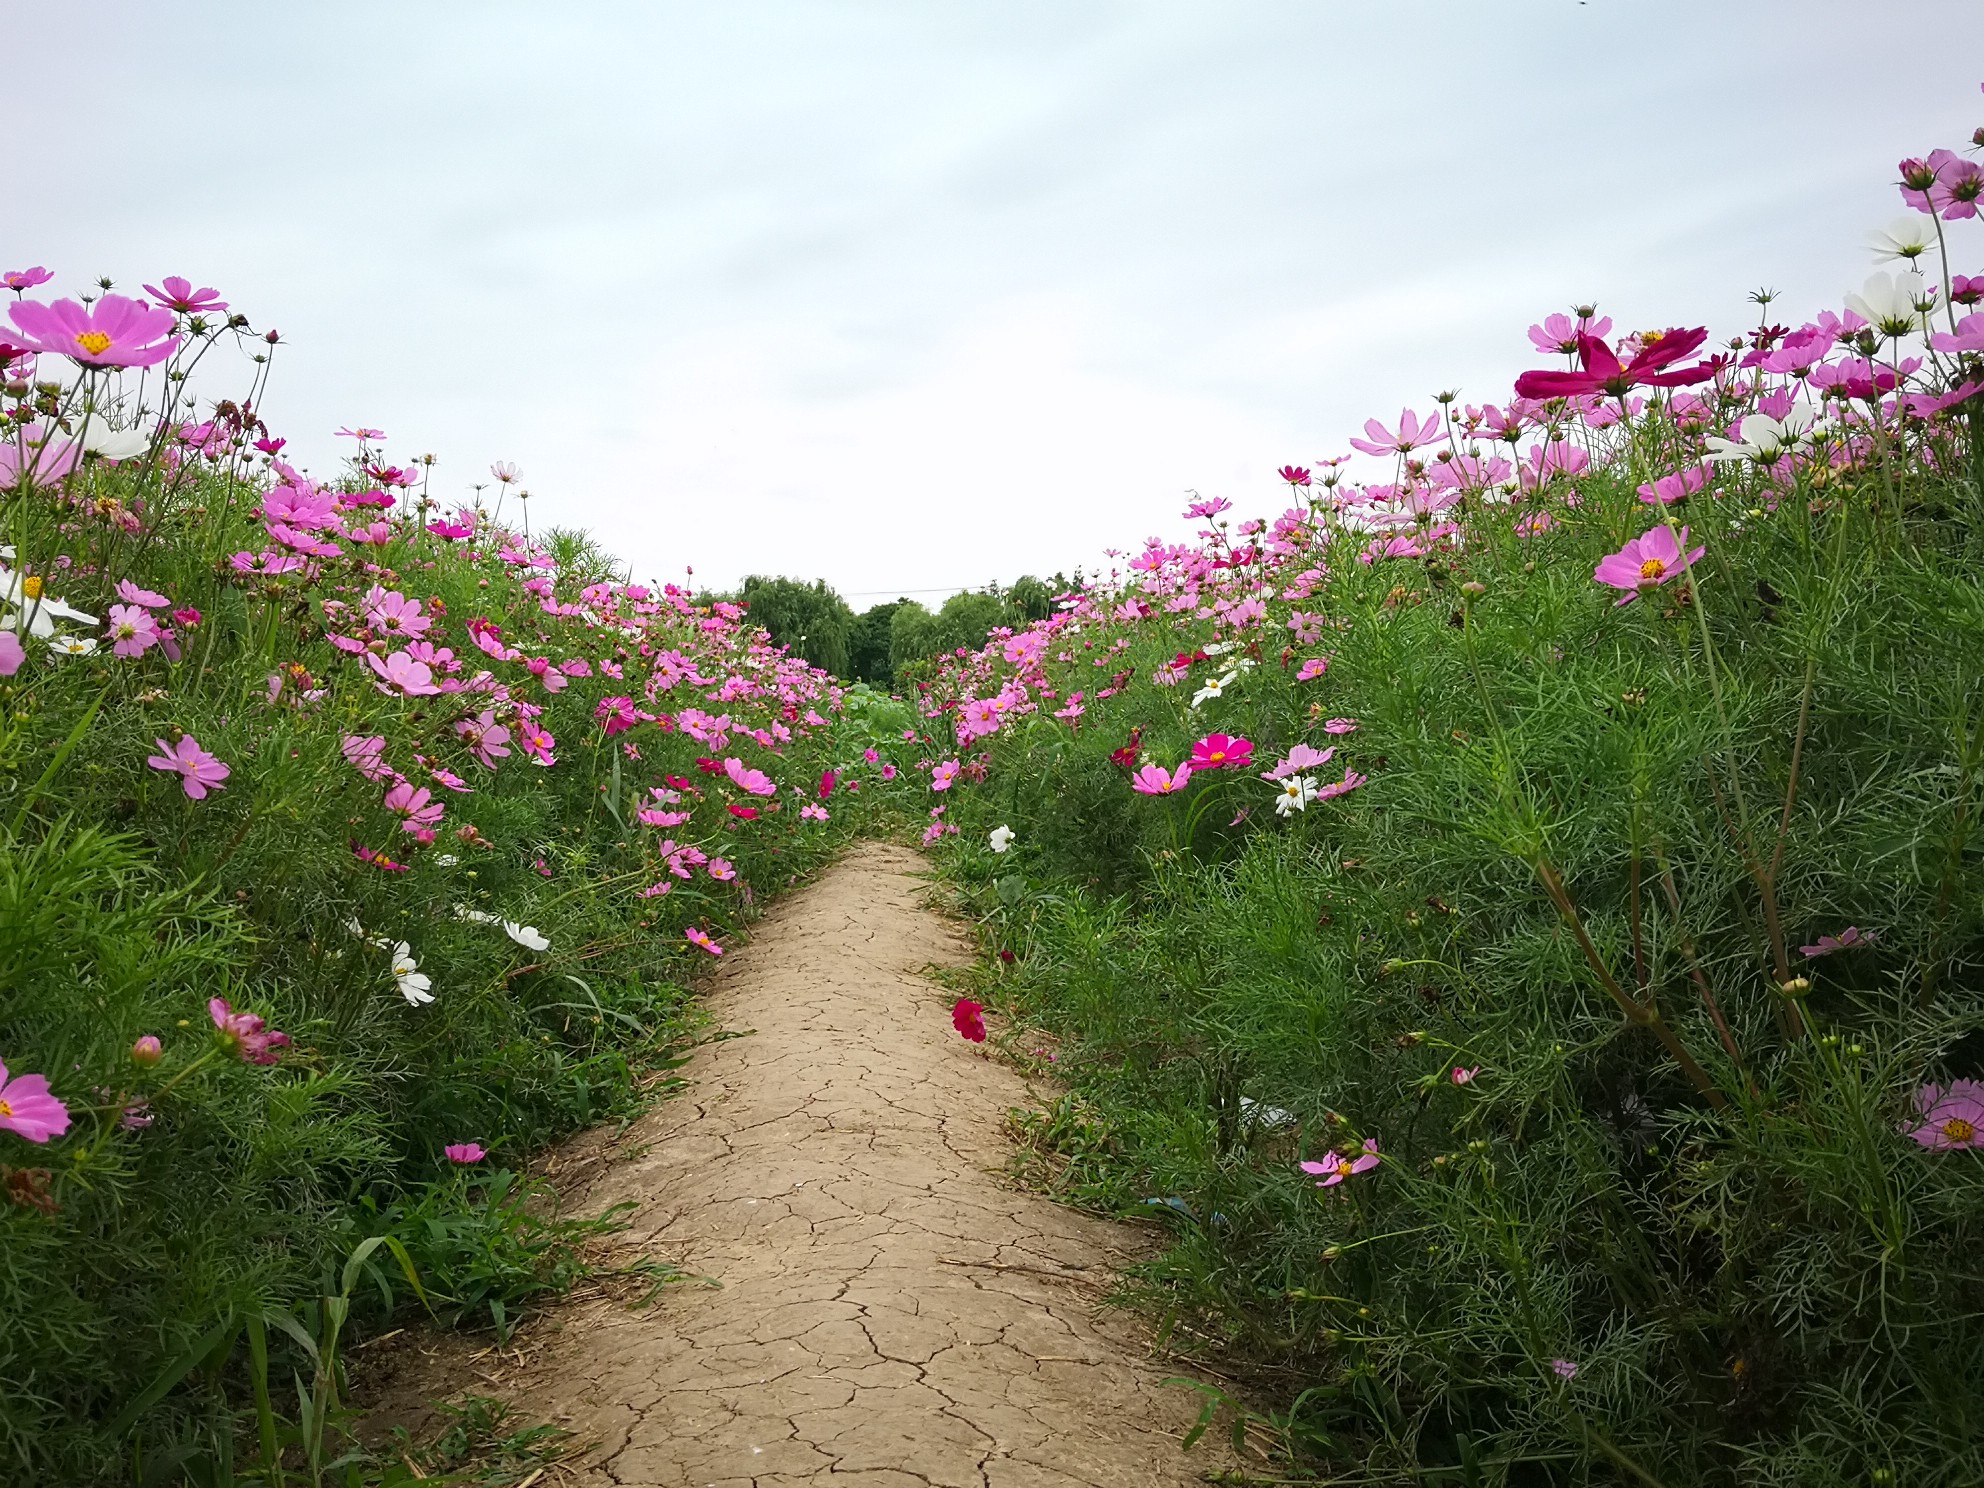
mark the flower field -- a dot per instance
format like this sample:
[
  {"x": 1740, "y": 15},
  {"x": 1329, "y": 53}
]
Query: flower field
[
  {"x": 350, "y": 849},
  {"x": 1515, "y": 916}
]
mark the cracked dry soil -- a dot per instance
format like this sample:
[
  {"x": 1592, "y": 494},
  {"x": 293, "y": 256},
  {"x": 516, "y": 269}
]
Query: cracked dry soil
[{"x": 891, "y": 1314}]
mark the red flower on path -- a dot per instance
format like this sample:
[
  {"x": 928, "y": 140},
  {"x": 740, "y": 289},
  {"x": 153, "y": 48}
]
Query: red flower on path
[
  {"x": 1605, "y": 373},
  {"x": 968, "y": 1018}
]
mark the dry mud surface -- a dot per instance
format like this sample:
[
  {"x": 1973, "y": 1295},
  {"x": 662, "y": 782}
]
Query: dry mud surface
[{"x": 892, "y": 1313}]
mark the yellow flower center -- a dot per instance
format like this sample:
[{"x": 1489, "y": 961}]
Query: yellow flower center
[
  {"x": 5, "y": 1110},
  {"x": 1958, "y": 1130},
  {"x": 94, "y": 342},
  {"x": 1653, "y": 568},
  {"x": 31, "y": 587}
]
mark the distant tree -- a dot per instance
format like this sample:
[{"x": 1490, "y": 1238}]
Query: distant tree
[
  {"x": 1032, "y": 599},
  {"x": 811, "y": 619},
  {"x": 914, "y": 635},
  {"x": 868, "y": 644}
]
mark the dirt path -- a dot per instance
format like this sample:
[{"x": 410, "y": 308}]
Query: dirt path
[{"x": 892, "y": 1314}]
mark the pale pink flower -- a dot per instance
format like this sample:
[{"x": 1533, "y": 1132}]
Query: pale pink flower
[
  {"x": 133, "y": 630},
  {"x": 245, "y": 1034},
  {"x": 414, "y": 808},
  {"x": 1336, "y": 1167},
  {"x": 28, "y": 1110},
  {"x": 114, "y": 332},
  {"x": 1155, "y": 780},
  {"x": 367, "y": 755},
  {"x": 1648, "y": 561},
  {"x": 1952, "y": 1118},
  {"x": 401, "y": 671},
  {"x": 1313, "y": 668}
]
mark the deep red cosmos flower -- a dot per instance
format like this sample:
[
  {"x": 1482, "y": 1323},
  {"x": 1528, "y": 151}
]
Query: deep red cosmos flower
[{"x": 1603, "y": 372}]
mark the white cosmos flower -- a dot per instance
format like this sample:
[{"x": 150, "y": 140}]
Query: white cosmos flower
[
  {"x": 114, "y": 444},
  {"x": 412, "y": 981},
  {"x": 1297, "y": 791},
  {"x": 377, "y": 942},
  {"x": 71, "y": 645},
  {"x": 526, "y": 936},
  {"x": 1213, "y": 690},
  {"x": 476, "y": 916},
  {"x": 33, "y": 611},
  {"x": 1765, "y": 439},
  {"x": 1895, "y": 305},
  {"x": 1905, "y": 239},
  {"x": 446, "y": 860},
  {"x": 1001, "y": 839}
]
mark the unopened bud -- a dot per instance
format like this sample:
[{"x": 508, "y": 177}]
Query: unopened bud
[
  {"x": 147, "y": 1050},
  {"x": 1474, "y": 589},
  {"x": 1796, "y": 987}
]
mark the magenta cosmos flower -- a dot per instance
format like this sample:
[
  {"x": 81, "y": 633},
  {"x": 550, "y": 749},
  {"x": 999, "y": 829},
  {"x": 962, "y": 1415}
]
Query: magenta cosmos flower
[
  {"x": 1846, "y": 940},
  {"x": 1603, "y": 372},
  {"x": 701, "y": 938},
  {"x": 1951, "y": 1118},
  {"x": 114, "y": 332},
  {"x": 1222, "y": 752},
  {"x": 28, "y": 1110},
  {"x": 246, "y": 1034},
  {"x": 23, "y": 279},
  {"x": 1413, "y": 433},
  {"x": 1648, "y": 561},
  {"x": 179, "y": 294},
  {"x": 1155, "y": 780},
  {"x": 1336, "y": 1167},
  {"x": 198, "y": 770},
  {"x": 464, "y": 1153},
  {"x": 755, "y": 782},
  {"x": 968, "y": 1018}
]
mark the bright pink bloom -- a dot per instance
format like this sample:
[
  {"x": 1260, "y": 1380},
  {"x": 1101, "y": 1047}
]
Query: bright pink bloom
[
  {"x": 538, "y": 743},
  {"x": 20, "y": 279},
  {"x": 487, "y": 738},
  {"x": 245, "y": 1034},
  {"x": 1465, "y": 1075},
  {"x": 1155, "y": 780},
  {"x": 179, "y": 294},
  {"x": 721, "y": 870},
  {"x": 378, "y": 860},
  {"x": 701, "y": 938},
  {"x": 12, "y": 653},
  {"x": 367, "y": 755},
  {"x": 1604, "y": 373},
  {"x": 1672, "y": 488},
  {"x": 1313, "y": 668},
  {"x": 199, "y": 771},
  {"x": 827, "y": 784},
  {"x": 28, "y": 1110},
  {"x": 1413, "y": 433},
  {"x": 943, "y": 775},
  {"x": 968, "y": 1018},
  {"x": 1339, "y": 1167},
  {"x": 1222, "y": 752},
  {"x": 1950, "y": 1118},
  {"x": 744, "y": 813},
  {"x": 753, "y": 782},
  {"x": 114, "y": 332},
  {"x": 391, "y": 612},
  {"x": 1648, "y": 561},
  {"x": 616, "y": 715},
  {"x": 464, "y": 1153},
  {"x": 414, "y": 808},
  {"x": 1295, "y": 475}
]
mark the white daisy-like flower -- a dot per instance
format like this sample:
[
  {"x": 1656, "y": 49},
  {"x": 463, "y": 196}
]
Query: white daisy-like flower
[
  {"x": 1297, "y": 791},
  {"x": 526, "y": 936},
  {"x": 407, "y": 975},
  {"x": 1765, "y": 439},
  {"x": 1001, "y": 839},
  {"x": 66, "y": 644},
  {"x": 1895, "y": 305}
]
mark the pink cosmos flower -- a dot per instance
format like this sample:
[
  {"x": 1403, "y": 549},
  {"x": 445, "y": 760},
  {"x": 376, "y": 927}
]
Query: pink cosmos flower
[
  {"x": 616, "y": 715},
  {"x": 827, "y": 780},
  {"x": 367, "y": 755},
  {"x": 1339, "y": 1167},
  {"x": 1413, "y": 433},
  {"x": 753, "y": 782},
  {"x": 1952, "y": 1118},
  {"x": 1351, "y": 780},
  {"x": 943, "y": 775},
  {"x": 199, "y": 771},
  {"x": 414, "y": 808},
  {"x": 968, "y": 1018},
  {"x": 1603, "y": 372},
  {"x": 721, "y": 870},
  {"x": 1155, "y": 780},
  {"x": 487, "y": 738},
  {"x": 1465, "y": 1075},
  {"x": 377, "y": 859},
  {"x": 401, "y": 671},
  {"x": 1313, "y": 668},
  {"x": 1560, "y": 333},
  {"x": 1340, "y": 726},
  {"x": 1301, "y": 758},
  {"x": 1648, "y": 561},
  {"x": 743, "y": 813},
  {"x": 464, "y": 1153},
  {"x": 12, "y": 653},
  {"x": 1222, "y": 752},
  {"x": 130, "y": 593},
  {"x": 1564, "y": 1369},
  {"x": 23, "y": 279},
  {"x": 114, "y": 332},
  {"x": 813, "y": 811},
  {"x": 1848, "y": 938},
  {"x": 245, "y": 1034},
  {"x": 28, "y": 1110},
  {"x": 538, "y": 743},
  {"x": 392, "y": 613},
  {"x": 1672, "y": 488},
  {"x": 179, "y": 294},
  {"x": 701, "y": 938},
  {"x": 133, "y": 630},
  {"x": 1295, "y": 475}
]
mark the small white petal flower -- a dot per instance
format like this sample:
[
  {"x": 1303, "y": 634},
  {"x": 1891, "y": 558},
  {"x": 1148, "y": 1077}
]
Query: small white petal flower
[
  {"x": 411, "y": 980},
  {"x": 1895, "y": 305},
  {"x": 526, "y": 936},
  {"x": 71, "y": 645},
  {"x": 1297, "y": 791},
  {"x": 114, "y": 444},
  {"x": 476, "y": 916},
  {"x": 1002, "y": 838},
  {"x": 1906, "y": 238}
]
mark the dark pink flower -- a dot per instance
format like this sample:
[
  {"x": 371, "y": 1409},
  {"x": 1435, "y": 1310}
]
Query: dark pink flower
[
  {"x": 1222, "y": 752},
  {"x": 616, "y": 715},
  {"x": 1648, "y": 561},
  {"x": 28, "y": 1110},
  {"x": 701, "y": 939},
  {"x": 464, "y": 1153},
  {"x": 198, "y": 770},
  {"x": 1604, "y": 373},
  {"x": 114, "y": 332},
  {"x": 1295, "y": 475},
  {"x": 1336, "y": 1167},
  {"x": 245, "y": 1034},
  {"x": 377, "y": 859},
  {"x": 22, "y": 279},
  {"x": 968, "y": 1018},
  {"x": 179, "y": 294},
  {"x": 1848, "y": 938}
]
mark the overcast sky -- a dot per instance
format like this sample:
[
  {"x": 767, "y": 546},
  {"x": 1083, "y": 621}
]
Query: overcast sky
[{"x": 915, "y": 294}]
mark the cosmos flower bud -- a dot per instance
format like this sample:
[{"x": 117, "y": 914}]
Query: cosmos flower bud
[
  {"x": 147, "y": 1051},
  {"x": 1474, "y": 589},
  {"x": 1796, "y": 987}
]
